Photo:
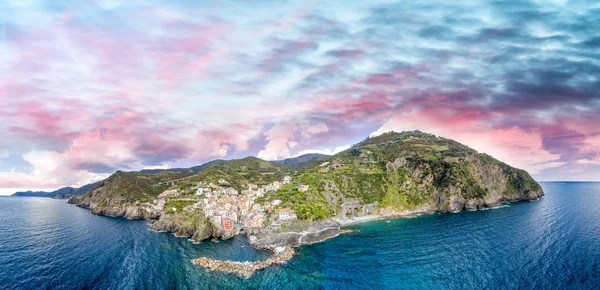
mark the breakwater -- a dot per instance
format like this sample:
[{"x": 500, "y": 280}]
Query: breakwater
[{"x": 246, "y": 268}]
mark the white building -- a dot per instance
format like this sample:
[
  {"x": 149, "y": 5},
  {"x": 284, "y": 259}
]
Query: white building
[
  {"x": 287, "y": 179},
  {"x": 286, "y": 214}
]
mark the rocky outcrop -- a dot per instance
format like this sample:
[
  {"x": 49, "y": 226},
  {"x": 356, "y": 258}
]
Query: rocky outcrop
[
  {"x": 194, "y": 225},
  {"x": 133, "y": 212},
  {"x": 245, "y": 269},
  {"x": 129, "y": 212},
  {"x": 113, "y": 197},
  {"x": 478, "y": 182},
  {"x": 272, "y": 237}
]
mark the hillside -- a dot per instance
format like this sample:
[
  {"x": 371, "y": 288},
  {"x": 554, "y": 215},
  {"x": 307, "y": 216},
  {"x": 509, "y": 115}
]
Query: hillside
[
  {"x": 84, "y": 189},
  {"x": 240, "y": 172},
  {"x": 404, "y": 172},
  {"x": 194, "y": 169},
  {"x": 64, "y": 190},
  {"x": 122, "y": 193},
  {"x": 113, "y": 195},
  {"x": 301, "y": 161}
]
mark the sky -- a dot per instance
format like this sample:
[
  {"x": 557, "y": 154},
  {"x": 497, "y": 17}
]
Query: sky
[{"x": 91, "y": 87}]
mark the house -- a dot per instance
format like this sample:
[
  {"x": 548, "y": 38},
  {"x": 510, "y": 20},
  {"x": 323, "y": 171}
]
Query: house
[
  {"x": 276, "y": 202},
  {"x": 303, "y": 188},
  {"x": 287, "y": 179},
  {"x": 276, "y": 185},
  {"x": 255, "y": 221},
  {"x": 336, "y": 164},
  {"x": 223, "y": 181},
  {"x": 252, "y": 186},
  {"x": 286, "y": 214},
  {"x": 227, "y": 223},
  {"x": 259, "y": 221},
  {"x": 231, "y": 191},
  {"x": 233, "y": 216}
]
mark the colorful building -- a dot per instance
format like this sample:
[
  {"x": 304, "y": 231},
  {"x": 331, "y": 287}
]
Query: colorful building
[{"x": 227, "y": 223}]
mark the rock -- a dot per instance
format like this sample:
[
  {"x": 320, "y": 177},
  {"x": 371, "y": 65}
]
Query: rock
[
  {"x": 245, "y": 269},
  {"x": 269, "y": 238},
  {"x": 201, "y": 234}
]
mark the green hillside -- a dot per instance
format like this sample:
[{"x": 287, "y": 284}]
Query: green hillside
[
  {"x": 301, "y": 161},
  {"x": 240, "y": 172},
  {"x": 126, "y": 188},
  {"x": 405, "y": 171}
]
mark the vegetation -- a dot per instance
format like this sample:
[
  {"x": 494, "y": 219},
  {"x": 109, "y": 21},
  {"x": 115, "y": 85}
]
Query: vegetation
[
  {"x": 177, "y": 205},
  {"x": 399, "y": 170},
  {"x": 131, "y": 187},
  {"x": 243, "y": 171},
  {"x": 309, "y": 205},
  {"x": 302, "y": 161}
]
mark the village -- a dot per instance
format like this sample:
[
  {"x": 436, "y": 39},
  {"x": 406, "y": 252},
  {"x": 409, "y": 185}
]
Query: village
[{"x": 224, "y": 205}]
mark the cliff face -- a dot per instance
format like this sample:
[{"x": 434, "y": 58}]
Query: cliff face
[
  {"x": 192, "y": 224},
  {"x": 450, "y": 184},
  {"x": 126, "y": 194}
]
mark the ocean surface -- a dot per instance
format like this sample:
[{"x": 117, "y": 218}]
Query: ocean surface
[{"x": 553, "y": 243}]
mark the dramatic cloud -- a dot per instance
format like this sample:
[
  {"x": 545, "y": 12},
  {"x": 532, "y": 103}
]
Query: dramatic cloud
[{"x": 87, "y": 89}]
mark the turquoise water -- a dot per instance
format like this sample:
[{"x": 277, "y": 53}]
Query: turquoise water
[{"x": 553, "y": 243}]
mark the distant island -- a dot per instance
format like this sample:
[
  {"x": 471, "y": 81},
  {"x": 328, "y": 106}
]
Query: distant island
[{"x": 280, "y": 205}]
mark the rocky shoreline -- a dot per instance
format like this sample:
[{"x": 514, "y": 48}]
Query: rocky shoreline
[
  {"x": 280, "y": 242},
  {"x": 245, "y": 269},
  {"x": 268, "y": 239}
]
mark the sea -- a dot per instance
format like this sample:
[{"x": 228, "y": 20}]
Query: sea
[{"x": 552, "y": 243}]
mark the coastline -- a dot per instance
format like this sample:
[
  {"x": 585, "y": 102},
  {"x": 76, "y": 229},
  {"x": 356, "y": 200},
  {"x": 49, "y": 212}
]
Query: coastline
[
  {"x": 371, "y": 218},
  {"x": 413, "y": 214},
  {"x": 280, "y": 240},
  {"x": 246, "y": 269}
]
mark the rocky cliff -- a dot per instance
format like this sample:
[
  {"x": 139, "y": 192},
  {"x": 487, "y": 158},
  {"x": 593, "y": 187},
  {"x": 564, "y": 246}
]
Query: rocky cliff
[
  {"x": 192, "y": 224},
  {"x": 127, "y": 194}
]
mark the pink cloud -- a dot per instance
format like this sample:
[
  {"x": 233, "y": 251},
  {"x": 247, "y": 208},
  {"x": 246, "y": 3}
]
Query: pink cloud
[{"x": 514, "y": 145}]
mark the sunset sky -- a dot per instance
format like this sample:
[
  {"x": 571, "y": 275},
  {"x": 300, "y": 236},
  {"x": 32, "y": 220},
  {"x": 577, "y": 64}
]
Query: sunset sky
[{"x": 91, "y": 87}]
